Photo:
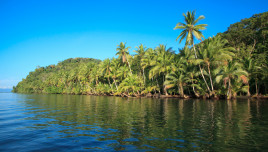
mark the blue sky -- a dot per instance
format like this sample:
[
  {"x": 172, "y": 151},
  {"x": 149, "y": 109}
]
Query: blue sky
[{"x": 43, "y": 32}]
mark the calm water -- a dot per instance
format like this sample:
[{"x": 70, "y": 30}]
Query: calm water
[{"x": 92, "y": 123}]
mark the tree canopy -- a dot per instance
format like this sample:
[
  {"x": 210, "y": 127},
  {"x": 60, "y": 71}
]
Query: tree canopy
[{"x": 224, "y": 66}]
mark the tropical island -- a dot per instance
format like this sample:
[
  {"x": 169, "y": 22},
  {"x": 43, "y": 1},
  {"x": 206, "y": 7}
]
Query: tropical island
[{"x": 230, "y": 64}]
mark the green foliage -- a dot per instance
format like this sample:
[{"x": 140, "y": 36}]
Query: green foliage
[
  {"x": 69, "y": 76},
  {"x": 249, "y": 38},
  {"x": 231, "y": 63},
  {"x": 190, "y": 29}
]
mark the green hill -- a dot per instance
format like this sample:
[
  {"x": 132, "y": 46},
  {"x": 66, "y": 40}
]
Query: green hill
[
  {"x": 229, "y": 64},
  {"x": 65, "y": 77}
]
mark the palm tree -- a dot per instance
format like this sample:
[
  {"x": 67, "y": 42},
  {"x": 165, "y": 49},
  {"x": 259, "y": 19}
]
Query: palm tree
[
  {"x": 212, "y": 52},
  {"x": 140, "y": 51},
  {"x": 106, "y": 69},
  {"x": 188, "y": 62},
  {"x": 162, "y": 64},
  {"x": 131, "y": 85},
  {"x": 123, "y": 53},
  {"x": 123, "y": 72},
  {"x": 251, "y": 67},
  {"x": 178, "y": 79},
  {"x": 149, "y": 56},
  {"x": 92, "y": 76},
  {"x": 231, "y": 72},
  {"x": 139, "y": 56},
  {"x": 95, "y": 74},
  {"x": 114, "y": 71},
  {"x": 191, "y": 30}
]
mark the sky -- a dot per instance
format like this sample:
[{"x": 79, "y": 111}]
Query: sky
[{"x": 44, "y": 32}]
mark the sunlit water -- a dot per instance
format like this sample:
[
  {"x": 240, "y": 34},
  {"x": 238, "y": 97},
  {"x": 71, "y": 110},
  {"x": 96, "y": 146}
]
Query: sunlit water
[{"x": 96, "y": 123}]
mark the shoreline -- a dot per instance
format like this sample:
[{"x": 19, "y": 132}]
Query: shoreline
[{"x": 254, "y": 97}]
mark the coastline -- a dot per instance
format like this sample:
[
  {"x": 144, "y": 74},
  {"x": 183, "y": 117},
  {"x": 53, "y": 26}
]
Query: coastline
[{"x": 254, "y": 97}]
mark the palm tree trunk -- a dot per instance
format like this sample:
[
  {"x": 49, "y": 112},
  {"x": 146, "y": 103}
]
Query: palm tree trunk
[
  {"x": 202, "y": 74},
  {"x": 201, "y": 70},
  {"x": 194, "y": 90},
  {"x": 143, "y": 75},
  {"x": 256, "y": 84},
  {"x": 115, "y": 84},
  {"x": 229, "y": 92},
  {"x": 109, "y": 82},
  {"x": 129, "y": 66},
  {"x": 158, "y": 86},
  {"x": 165, "y": 89},
  {"x": 97, "y": 82},
  {"x": 181, "y": 90},
  {"x": 248, "y": 94},
  {"x": 194, "y": 51},
  {"x": 210, "y": 78}
]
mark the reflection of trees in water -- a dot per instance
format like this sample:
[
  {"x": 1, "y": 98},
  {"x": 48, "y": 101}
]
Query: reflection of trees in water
[{"x": 161, "y": 123}]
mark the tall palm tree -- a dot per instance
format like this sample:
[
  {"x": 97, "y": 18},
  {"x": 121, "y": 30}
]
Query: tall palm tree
[
  {"x": 115, "y": 70},
  {"x": 146, "y": 65},
  {"x": 140, "y": 51},
  {"x": 188, "y": 62},
  {"x": 123, "y": 53},
  {"x": 149, "y": 56},
  {"x": 123, "y": 71},
  {"x": 162, "y": 64},
  {"x": 212, "y": 52},
  {"x": 139, "y": 56},
  {"x": 191, "y": 31}
]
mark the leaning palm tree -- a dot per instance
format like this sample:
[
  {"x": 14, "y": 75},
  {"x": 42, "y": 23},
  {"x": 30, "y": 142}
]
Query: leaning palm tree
[
  {"x": 213, "y": 52},
  {"x": 191, "y": 31},
  {"x": 123, "y": 53}
]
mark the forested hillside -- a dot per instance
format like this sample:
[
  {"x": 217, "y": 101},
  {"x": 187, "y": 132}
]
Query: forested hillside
[
  {"x": 229, "y": 64},
  {"x": 60, "y": 78}
]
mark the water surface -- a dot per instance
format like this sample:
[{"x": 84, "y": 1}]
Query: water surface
[{"x": 97, "y": 123}]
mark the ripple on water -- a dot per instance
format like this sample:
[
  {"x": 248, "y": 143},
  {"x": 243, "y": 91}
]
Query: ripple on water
[{"x": 90, "y": 123}]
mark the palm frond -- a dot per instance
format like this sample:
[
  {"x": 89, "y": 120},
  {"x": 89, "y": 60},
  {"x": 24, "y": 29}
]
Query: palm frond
[
  {"x": 201, "y": 17},
  {"x": 219, "y": 78},
  {"x": 200, "y": 26}
]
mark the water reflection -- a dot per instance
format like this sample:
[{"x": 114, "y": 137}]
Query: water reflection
[{"x": 113, "y": 123}]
